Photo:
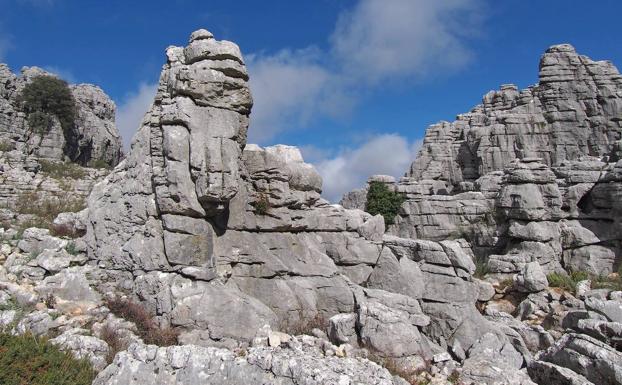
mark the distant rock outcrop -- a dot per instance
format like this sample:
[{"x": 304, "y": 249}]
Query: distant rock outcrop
[
  {"x": 93, "y": 137},
  {"x": 574, "y": 111}
]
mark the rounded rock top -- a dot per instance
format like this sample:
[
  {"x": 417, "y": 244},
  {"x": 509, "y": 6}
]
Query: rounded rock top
[
  {"x": 201, "y": 34},
  {"x": 561, "y": 48}
]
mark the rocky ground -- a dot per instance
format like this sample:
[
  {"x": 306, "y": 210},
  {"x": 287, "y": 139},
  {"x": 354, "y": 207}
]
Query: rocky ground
[{"x": 501, "y": 267}]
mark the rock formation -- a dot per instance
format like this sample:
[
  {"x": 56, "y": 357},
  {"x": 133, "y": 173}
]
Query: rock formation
[
  {"x": 232, "y": 246},
  {"x": 219, "y": 238},
  {"x": 94, "y": 136}
]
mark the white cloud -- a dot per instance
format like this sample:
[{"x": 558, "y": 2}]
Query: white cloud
[
  {"x": 387, "y": 154},
  {"x": 289, "y": 89},
  {"x": 402, "y": 38},
  {"x": 130, "y": 113},
  {"x": 375, "y": 41}
]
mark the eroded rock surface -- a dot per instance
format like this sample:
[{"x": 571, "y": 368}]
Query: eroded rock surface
[{"x": 94, "y": 136}]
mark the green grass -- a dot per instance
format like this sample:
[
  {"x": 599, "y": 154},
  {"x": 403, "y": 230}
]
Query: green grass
[
  {"x": 30, "y": 360},
  {"x": 481, "y": 268},
  {"x": 59, "y": 170},
  {"x": 45, "y": 209},
  {"x": 567, "y": 282},
  {"x": 99, "y": 163}
]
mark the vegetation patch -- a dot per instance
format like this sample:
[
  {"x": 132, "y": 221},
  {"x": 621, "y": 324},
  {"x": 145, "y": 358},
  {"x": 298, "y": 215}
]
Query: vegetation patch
[
  {"x": 481, "y": 268},
  {"x": 611, "y": 282},
  {"x": 45, "y": 209},
  {"x": 262, "y": 204},
  {"x": 149, "y": 330},
  {"x": 114, "y": 340},
  {"x": 413, "y": 376},
  {"x": 567, "y": 282},
  {"x": 5, "y": 146},
  {"x": 59, "y": 170},
  {"x": 44, "y": 98},
  {"x": 381, "y": 200},
  {"x": 99, "y": 163},
  {"x": 304, "y": 325},
  {"x": 26, "y": 359}
]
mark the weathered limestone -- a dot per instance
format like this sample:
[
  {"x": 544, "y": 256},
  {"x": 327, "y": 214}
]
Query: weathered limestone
[
  {"x": 300, "y": 360},
  {"x": 573, "y": 111},
  {"x": 94, "y": 137}
]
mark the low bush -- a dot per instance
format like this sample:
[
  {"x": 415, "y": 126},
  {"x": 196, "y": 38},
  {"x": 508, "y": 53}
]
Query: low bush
[
  {"x": 262, "y": 204},
  {"x": 114, "y": 340},
  {"x": 30, "y": 360},
  {"x": 304, "y": 325},
  {"x": 59, "y": 170},
  {"x": 413, "y": 376},
  {"x": 150, "y": 332},
  {"x": 381, "y": 200}
]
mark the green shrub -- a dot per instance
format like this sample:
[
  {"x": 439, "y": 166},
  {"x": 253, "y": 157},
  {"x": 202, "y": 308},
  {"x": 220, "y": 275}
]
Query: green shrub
[
  {"x": 262, "y": 204},
  {"x": 46, "y": 97},
  {"x": 381, "y": 200},
  {"x": 26, "y": 359}
]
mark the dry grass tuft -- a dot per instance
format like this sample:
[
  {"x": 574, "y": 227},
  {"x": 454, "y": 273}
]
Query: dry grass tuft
[{"x": 150, "y": 332}]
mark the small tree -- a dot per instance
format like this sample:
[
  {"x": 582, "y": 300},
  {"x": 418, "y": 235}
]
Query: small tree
[
  {"x": 45, "y": 97},
  {"x": 381, "y": 200}
]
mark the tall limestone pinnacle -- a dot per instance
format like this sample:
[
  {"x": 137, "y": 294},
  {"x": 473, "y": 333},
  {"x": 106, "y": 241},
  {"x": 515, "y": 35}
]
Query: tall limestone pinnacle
[
  {"x": 184, "y": 160},
  {"x": 574, "y": 110}
]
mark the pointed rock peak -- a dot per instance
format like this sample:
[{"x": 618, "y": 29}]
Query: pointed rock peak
[
  {"x": 561, "y": 48},
  {"x": 201, "y": 34}
]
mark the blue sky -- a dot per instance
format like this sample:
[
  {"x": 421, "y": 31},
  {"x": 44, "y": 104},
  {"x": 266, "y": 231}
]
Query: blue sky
[{"x": 354, "y": 83}]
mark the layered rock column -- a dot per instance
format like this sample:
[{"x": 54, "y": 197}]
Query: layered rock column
[{"x": 184, "y": 165}]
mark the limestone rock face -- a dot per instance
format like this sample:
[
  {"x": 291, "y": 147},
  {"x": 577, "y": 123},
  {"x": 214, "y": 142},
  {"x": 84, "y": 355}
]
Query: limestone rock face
[
  {"x": 96, "y": 136},
  {"x": 93, "y": 138},
  {"x": 573, "y": 111}
]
